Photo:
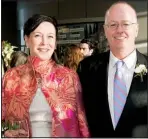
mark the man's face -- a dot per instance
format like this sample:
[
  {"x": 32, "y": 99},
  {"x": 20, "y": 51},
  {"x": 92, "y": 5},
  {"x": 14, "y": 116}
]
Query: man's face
[
  {"x": 85, "y": 49},
  {"x": 122, "y": 37}
]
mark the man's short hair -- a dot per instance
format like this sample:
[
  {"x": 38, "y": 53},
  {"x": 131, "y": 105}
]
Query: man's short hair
[
  {"x": 118, "y": 2},
  {"x": 89, "y": 42}
]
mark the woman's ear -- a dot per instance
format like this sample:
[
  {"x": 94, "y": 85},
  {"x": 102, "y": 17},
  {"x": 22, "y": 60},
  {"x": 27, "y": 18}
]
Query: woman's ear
[
  {"x": 26, "y": 41},
  {"x": 55, "y": 45}
]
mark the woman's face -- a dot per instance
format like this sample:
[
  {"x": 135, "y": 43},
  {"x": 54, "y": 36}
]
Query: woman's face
[{"x": 42, "y": 41}]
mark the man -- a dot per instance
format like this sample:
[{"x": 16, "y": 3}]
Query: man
[
  {"x": 115, "y": 98},
  {"x": 87, "y": 47}
]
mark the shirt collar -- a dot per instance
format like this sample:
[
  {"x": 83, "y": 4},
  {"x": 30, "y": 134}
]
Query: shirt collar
[
  {"x": 113, "y": 59},
  {"x": 130, "y": 60}
]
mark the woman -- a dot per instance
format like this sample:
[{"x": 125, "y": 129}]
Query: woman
[
  {"x": 73, "y": 57},
  {"x": 41, "y": 91}
]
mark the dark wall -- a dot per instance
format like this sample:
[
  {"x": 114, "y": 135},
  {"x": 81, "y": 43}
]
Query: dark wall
[
  {"x": 16, "y": 12},
  {"x": 9, "y": 21}
]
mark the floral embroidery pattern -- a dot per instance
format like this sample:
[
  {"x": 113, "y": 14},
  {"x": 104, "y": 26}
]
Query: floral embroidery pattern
[{"x": 61, "y": 88}]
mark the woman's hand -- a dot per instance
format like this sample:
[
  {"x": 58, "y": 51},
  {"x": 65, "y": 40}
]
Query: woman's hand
[{"x": 16, "y": 133}]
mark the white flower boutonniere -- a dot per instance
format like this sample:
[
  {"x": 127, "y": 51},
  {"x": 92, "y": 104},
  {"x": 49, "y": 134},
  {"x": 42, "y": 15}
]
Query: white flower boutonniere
[{"x": 140, "y": 70}]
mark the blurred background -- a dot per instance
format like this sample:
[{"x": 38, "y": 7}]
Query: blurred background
[{"x": 77, "y": 19}]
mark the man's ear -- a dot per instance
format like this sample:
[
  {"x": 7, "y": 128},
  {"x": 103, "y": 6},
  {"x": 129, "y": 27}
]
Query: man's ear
[
  {"x": 90, "y": 51},
  {"x": 105, "y": 29},
  {"x": 137, "y": 30}
]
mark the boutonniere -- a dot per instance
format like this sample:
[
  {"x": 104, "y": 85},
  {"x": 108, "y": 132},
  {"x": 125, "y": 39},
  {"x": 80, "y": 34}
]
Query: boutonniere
[{"x": 140, "y": 70}]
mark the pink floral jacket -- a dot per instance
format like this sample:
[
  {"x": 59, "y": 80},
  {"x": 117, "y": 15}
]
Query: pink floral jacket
[{"x": 61, "y": 88}]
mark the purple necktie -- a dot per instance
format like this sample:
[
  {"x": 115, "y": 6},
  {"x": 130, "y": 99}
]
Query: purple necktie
[{"x": 120, "y": 92}]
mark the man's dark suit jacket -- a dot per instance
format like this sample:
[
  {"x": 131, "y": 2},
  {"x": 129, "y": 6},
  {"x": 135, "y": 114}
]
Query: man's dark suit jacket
[{"x": 93, "y": 73}]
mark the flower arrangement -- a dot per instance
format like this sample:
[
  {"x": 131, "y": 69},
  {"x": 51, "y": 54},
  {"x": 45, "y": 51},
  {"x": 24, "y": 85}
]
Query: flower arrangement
[
  {"x": 140, "y": 70},
  {"x": 7, "y": 126},
  {"x": 7, "y": 50}
]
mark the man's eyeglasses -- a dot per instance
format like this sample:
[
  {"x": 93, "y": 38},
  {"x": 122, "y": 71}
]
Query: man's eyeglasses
[{"x": 124, "y": 26}]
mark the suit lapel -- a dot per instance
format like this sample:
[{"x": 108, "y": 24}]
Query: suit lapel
[
  {"x": 102, "y": 73},
  {"x": 135, "y": 85},
  {"x": 106, "y": 66}
]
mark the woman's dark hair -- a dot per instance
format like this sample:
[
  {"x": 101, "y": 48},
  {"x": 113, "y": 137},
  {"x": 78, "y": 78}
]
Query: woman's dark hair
[
  {"x": 89, "y": 42},
  {"x": 33, "y": 22},
  {"x": 18, "y": 58}
]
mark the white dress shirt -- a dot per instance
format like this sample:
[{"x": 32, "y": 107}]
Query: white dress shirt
[{"x": 127, "y": 70}]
